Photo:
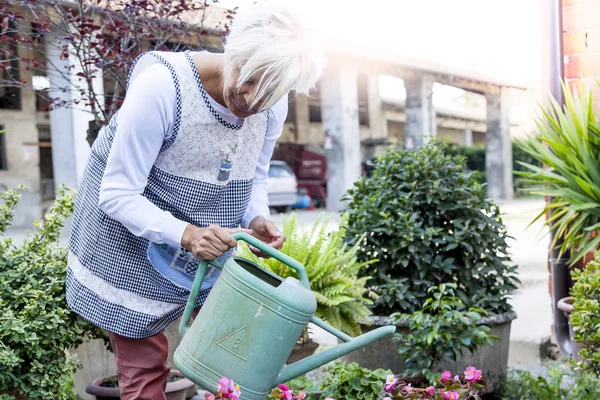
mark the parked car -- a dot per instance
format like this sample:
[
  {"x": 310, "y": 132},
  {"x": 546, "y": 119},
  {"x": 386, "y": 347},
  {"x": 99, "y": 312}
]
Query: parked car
[
  {"x": 283, "y": 186},
  {"x": 310, "y": 167}
]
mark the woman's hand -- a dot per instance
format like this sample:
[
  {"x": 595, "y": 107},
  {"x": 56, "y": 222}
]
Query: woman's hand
[
  {"x": 209, "y": 243},
  {"x": 266, "y": 231}
]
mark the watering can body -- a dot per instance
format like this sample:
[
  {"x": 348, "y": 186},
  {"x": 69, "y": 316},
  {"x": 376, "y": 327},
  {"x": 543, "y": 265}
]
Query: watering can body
[{"x": 249, "y": 325}]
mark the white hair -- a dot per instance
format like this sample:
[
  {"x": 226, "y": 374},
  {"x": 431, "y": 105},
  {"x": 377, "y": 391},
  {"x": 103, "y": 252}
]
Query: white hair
[{"x": 270, "y": 38}]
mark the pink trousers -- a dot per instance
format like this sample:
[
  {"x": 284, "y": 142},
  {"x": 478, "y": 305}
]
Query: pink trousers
[{"x": 142, "y": 366}]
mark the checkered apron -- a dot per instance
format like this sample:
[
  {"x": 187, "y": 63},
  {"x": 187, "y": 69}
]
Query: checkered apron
[{"x": 203, "y": 175}]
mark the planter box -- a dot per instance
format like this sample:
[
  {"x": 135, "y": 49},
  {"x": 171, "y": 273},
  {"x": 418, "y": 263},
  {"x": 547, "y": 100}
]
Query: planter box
[{"x": 492, "y": 360}]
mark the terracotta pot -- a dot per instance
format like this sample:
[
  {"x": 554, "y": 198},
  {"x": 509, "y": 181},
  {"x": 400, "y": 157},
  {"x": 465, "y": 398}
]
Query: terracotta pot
[
  {"x": 302, "y": 351},
  {"x": 566, "y": 305},
  {"x": 176, "y": 390}
]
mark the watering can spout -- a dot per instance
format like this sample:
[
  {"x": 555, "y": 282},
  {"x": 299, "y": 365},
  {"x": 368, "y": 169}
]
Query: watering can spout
[{"x": 289, "y": 372}]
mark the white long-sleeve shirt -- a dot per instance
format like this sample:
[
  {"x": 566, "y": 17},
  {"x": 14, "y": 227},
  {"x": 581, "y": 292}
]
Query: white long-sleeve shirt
[{"x": 145, "y": 121}]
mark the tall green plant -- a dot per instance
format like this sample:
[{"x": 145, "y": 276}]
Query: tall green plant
[
  {"x": 332, "y": 270},
  {"x": 37, "y": 328},
  {"x": 569, "y": 145}
]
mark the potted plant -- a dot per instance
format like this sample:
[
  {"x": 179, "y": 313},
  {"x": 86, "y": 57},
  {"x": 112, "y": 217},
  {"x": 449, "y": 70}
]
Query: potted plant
[
  {"x": 568, "y": 145},
  {"x": 441, "y": 330},
  {"x": 37, "y": 328},
  {"x": 332, "y": 270},
  {"x": 429, "y": 223},
  {"x": 107, "y": 388},
  {"x": 585, "y": 316}
]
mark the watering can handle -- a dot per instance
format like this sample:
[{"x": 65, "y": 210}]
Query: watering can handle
[{"x": 251, "y": 240}]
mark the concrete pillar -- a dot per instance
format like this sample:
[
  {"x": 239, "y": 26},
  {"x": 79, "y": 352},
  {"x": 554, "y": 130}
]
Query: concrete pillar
[
  {"x": 468, "y": 137},
  {"x": 68, "y": 125},
  {"x": 339, "y": 102},
  {"x": 498, "y": 148},
  {"x": 420, "y": 125}
]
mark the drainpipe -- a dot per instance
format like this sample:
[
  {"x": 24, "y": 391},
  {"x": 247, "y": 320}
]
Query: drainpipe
[{"x": 560, "y": 270}]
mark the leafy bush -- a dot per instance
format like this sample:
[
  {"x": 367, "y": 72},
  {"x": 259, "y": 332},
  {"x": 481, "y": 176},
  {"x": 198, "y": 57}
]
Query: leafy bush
[
  {"x": 37, "y": 328},
  {"x": 474, "y": 155},
  {"x": 429, "y": 223},
  {"x": 569, "y": 145},
  {"x": 585, "y": 317},
  {"x": 332, "y": 270},
  {"x": 559, "y": 384},
  {"x": 351, "y": 382},
  {"x": 442, "y": 329},
  {"x": 475, "y": 162}
]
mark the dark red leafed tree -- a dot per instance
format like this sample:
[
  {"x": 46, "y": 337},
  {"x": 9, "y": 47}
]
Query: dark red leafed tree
[{"x": 98, "y": 38}]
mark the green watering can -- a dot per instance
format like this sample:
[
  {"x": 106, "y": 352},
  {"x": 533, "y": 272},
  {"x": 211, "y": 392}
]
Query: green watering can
[{"x": 249, "y": 325}]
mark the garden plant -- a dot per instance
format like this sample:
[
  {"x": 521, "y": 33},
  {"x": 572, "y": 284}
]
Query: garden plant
[
  {"x": 37, "y": 328},
  {"x": 332, "y": 268},
  {"x": 585, "y": 317},
  {"x": 568, "y": 145},
  {"x": 428, "y": 222},
  {"x": 443, "y": 328}
]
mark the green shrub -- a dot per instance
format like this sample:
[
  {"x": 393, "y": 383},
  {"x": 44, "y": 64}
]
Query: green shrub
[
  {"x": 475, "y": 162},
  {"x": 441, "y": 330},
  {"x": 351, "y": 382},
  {"x": 559, "y": 384},
  {"x": 429, "y": 223},
  {"x": 332, "y": 270},
  {"x": 37, "y": 328},
  {"x": 585, "y": 317},
  {"x": 474, "y": 156}
]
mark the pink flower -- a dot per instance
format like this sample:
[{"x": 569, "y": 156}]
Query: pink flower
[
  {"x": 226, "y": 386},
  {"x": 446, "y": 376},
  {"x": 408, "y": 388},
  {"x": 301, "y": 396},
  {"x": 329, "y": 398},
  {"x": 286, "y": 393},
  {"x": 431, "y": 390},
  {"x": 209, "y": 396},
  {"x": 451, "y": 396},
  {"x": 235, "y": 394},
  {"x": 390, "y": 383},
  {"x": 456, "y": 378},
  {"x": 472, "y": 374}
]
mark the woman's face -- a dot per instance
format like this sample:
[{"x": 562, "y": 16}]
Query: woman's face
[{"x": 238, "y": 100}]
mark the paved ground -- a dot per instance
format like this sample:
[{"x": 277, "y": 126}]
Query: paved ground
[{"x": 529, "y": 249}]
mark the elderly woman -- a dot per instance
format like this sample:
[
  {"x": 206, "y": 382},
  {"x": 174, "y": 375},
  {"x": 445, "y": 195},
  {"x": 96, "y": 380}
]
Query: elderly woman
[{"x": 181, "y": 165}]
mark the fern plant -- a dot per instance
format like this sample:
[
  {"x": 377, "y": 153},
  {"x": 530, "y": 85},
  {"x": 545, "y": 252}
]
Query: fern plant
[{"x": 332, "y": 269}]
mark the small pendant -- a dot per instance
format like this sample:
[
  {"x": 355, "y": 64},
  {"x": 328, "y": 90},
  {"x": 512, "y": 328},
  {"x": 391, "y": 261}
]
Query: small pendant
[{"x": 224, "y": 171}]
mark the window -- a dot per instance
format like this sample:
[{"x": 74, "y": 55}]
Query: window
[
  {"x": 314, "y": 104},
  {"x": 363, "y": 99},
  {"x": 291, "y": 114},
  {"x": 277, "y": 170},
  {"x": 3, "y": 163},
  {"x": 10, "y": 96}
]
